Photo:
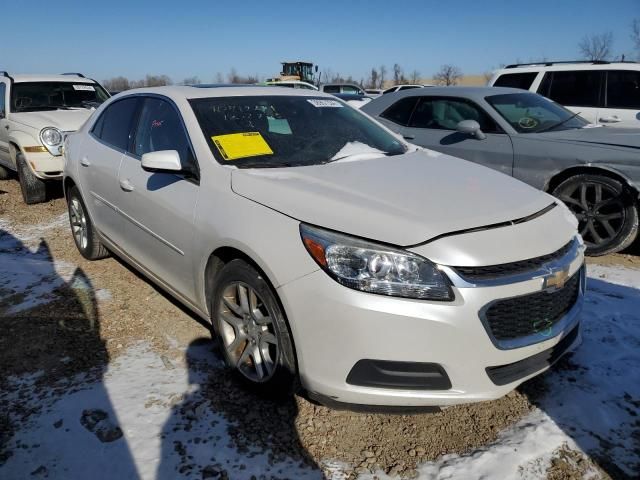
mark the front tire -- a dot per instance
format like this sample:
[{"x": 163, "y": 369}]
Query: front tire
[
  {"x": 252, "y": 331},
  {"x": 606, "y": 209},
  {"x": 33, "y": 189},
  {"x": 84, "y": 233}
]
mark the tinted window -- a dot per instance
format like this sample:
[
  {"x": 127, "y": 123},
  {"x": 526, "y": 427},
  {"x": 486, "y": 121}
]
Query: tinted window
[
  {"x": 114, "y": 125},
  {"x": 3, "y": 90},
  {"x": 400, "y": 112},
  {"x": 623, "y": 89},
  {"x": 42, "y": 96},
  {"x": 576, "y": 89},
  {"x": 446, "y": 113},
  {"x": 160, "y": 128},
  {"x": 331, "y": 88},
  {"x": 516, "y": 80}
]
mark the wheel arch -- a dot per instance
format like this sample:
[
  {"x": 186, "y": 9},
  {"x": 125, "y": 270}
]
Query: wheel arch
[
  {"x": 223, "y": 255},
  {"x": 604, "y": 170}
]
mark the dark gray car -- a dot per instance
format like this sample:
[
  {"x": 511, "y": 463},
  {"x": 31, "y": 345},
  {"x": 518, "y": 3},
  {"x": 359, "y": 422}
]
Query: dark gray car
[{"x": 594, "y": 170}]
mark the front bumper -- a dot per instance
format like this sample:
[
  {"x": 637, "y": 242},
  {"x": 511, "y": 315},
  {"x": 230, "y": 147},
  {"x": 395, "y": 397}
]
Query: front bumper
[
  {"x": 334, "y": 328},
  {"x": 44, "y": 165}
]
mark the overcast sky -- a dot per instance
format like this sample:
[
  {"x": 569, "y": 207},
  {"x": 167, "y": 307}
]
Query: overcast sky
[{"x": 185, "y": 38}]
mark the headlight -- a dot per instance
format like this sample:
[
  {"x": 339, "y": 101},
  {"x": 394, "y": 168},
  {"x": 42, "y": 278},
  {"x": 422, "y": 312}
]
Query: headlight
[
  {"x": 374, "y": 268},
  {"x": 52, "y": 139}
]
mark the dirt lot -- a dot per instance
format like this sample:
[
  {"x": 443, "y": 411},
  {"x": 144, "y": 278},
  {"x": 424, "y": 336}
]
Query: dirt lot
[{"x": 74, "y": 339}]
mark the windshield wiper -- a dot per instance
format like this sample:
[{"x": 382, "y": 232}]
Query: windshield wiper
[{"x": 561, "y": 122}]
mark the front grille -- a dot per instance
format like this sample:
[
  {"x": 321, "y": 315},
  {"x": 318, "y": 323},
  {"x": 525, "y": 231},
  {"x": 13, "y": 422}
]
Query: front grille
[
  {"x": 531, "y": 314},
  {"x": 513, "y": 268}
]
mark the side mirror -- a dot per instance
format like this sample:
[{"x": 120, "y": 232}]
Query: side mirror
[
  {"x": 471, "y": 127},
  {"x": 162, "y": 161}
]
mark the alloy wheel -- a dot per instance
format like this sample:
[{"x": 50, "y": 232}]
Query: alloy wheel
[
  {"x": 248, "y": 332},
  {"x": 600, "y": 211},
  {"x": 78, "y": 223}
]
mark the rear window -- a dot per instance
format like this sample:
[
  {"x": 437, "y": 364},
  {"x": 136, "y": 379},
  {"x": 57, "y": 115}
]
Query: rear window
[
  {"x": 623, "y": 89},
  {"x": 516, "y": 80},
  {"x": 331, "y": 88},
  {"x": 573, "y": 88}
]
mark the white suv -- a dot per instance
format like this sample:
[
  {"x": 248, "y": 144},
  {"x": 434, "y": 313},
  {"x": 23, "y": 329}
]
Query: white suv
[
  {"x": 36, "y": 111},
  {"x": 601, "y": 92}
]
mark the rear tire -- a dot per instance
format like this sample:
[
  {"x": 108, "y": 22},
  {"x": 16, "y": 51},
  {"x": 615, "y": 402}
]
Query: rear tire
[
  {"x": 33, "y": 189},
  {"x": 82, "y": 229},
  {"x": 606, "y": 209},
  {"x": 252, "y": 331}
]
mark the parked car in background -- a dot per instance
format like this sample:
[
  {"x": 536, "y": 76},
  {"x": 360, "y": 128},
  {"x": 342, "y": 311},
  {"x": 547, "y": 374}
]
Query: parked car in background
[
  {"x": 306, "y": 233},
  {"x": 36, "y": 111},
  {"x": 594, "y": 170},
  {"x": 356, "y": 101},
  {"x": 400, "y": 88},
  {"x": 373, "y": 92},
  {"x": 606, "y": 93},
  {"x": 349, "y": 88},
  {"x": 291, "y": 84}
]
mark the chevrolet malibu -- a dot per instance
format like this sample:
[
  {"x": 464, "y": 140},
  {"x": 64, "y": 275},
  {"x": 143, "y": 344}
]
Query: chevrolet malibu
[{"x": 330, "y": 257}]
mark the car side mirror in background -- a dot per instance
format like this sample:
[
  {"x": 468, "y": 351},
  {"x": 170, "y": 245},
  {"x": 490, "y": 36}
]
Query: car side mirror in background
[
  {"x": 471, "y": 127},
  {"x": 162, "y": 161}
]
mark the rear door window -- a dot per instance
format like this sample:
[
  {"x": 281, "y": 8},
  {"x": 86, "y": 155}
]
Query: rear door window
[
  {"x": 623, "y": 89},
  {"x": 115, "y": 124},
  {"x": 516, "y": 80},
  {"x": 331, "y": 89},
  {"x": 580, "y": 88}
]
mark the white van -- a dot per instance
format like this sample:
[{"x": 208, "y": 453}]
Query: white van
[{"x": 606, "y": 93}]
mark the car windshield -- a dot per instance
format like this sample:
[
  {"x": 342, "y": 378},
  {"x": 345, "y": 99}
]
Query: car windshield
[
  {"x": 289, "y": 131},
  {"x": 38, "y": 96},
  {"x": 531, "y": 113}
]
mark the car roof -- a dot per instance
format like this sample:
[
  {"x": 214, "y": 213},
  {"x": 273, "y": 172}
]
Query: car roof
[
  {"x": 180, "y": 92},
  {"x": 564, "y": 66},
  {"x": 50, "y": 78}
]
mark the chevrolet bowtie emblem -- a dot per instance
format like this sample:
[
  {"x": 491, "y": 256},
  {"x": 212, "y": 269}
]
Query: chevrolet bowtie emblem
[{"x": 556, "y": 279}]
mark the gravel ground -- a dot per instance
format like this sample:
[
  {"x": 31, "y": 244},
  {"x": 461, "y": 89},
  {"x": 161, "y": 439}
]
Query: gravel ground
[{"x": 90, "y": 334}]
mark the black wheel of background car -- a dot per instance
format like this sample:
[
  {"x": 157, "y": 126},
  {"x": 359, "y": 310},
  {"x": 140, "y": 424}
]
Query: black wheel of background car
[
  {"x": 4, "y": 173},
  {"x": 607, "y": 211},
  {"x": 33, "y": 189},
  {"x": 84, "y": 233},
  {"x": 252, "y": 331}
]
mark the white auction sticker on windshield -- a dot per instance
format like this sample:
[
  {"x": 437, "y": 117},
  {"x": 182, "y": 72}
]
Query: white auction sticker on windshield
[
  {"x": 88, "y": 88},
  {"x": 319, "y": 103}
]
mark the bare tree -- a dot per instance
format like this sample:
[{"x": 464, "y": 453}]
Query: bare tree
[
  {"x": 596, "y": 47},
  {"x": 219, "y": 78},
  {"x": 192, "y": 81},
  {"x": 373, "y": 79},
  {"x": 635, "y": 35},
  {"x": 116, "y": 84},
  {"x": 397, "y": 74},
  {"x": 448, "y": 75},
  {"x": 157, "y": 81},
  {"x": 415, "y": 76},
  {"x": 383, "y": 72}
]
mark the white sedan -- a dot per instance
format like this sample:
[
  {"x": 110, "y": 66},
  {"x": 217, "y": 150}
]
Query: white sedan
[{"x": 329, "y": 256}]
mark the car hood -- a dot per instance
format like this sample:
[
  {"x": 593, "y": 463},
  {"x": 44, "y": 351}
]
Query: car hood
[
  {"x": 402, "y": 200},
  {"x": 65, "y": 120},
  {"x": 606, "y": 136}
]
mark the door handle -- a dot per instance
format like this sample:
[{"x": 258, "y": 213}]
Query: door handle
[
  {"x": 409, "y": 137},
  {"x": 126, "y": 185},
  {"x": 612, "y": 119},
  {"x": 84, "y": 161}
]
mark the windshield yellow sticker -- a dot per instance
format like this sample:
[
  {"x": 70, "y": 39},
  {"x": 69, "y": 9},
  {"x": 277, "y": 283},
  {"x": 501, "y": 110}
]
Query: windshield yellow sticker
[{"x": 241, "y": 145}]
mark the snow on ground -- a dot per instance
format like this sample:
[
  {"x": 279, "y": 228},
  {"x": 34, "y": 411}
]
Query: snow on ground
[{"x": 131, "y": 423}]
